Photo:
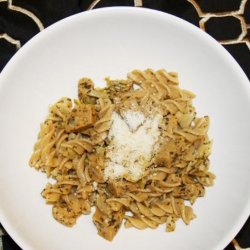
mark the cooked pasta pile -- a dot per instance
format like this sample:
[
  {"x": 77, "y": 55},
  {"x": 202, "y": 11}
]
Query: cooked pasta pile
[{"x": 73, "y": 145}]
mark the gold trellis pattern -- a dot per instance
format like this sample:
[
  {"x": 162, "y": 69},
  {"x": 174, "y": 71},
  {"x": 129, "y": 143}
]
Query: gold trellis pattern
[
  {"x": 204, "y": 17},
  {"x": 237, "y": 14},
  {"x": 28, "y": 13}
]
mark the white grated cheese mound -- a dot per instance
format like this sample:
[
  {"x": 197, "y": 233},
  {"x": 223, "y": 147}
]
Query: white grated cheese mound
[
  {"x": 133, "y": 119},
  {"x": 133, "y": 141}
]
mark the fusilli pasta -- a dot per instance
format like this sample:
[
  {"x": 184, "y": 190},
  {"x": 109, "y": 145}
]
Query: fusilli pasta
[{"x": 72, "y": 144}]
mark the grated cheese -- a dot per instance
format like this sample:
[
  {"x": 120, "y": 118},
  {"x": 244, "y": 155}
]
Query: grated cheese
[
  {"x": 133, "y": 141},
  {"x": 133, "y": 119}
]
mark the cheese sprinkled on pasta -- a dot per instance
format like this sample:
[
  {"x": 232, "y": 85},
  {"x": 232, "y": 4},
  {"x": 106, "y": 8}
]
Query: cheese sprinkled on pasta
[
  {"x": 135, "y": 151},
  {"x": 130, "y": 152}
]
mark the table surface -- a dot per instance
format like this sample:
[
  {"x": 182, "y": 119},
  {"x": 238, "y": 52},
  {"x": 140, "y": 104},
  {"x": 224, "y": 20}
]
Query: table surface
[{"x": 228, "y": 21}]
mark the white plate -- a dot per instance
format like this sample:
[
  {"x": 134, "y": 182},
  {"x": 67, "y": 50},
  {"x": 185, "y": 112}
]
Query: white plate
[{"x": 111, "y": 42}]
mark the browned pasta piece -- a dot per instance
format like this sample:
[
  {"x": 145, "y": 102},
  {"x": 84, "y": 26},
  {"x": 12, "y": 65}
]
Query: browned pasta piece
[
  {"x": 108, "y": 225},
  {"x": 170, "y": 224},
  {"x": 135, "y": 222},
  {"x": 187, "y": 214}
]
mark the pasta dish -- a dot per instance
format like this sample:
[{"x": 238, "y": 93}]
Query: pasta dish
[{"x": 135, "y": 150}]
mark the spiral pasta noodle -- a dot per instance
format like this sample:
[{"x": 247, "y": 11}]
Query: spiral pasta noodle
[{"x": 72, "y": 149}]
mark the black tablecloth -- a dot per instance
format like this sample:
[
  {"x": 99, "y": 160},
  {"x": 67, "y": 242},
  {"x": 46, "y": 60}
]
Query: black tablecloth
[{"x": 228, "y": 21}]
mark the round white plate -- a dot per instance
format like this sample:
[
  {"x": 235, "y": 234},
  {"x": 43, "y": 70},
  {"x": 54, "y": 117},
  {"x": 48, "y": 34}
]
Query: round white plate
[{"x": 112, "y": 42}]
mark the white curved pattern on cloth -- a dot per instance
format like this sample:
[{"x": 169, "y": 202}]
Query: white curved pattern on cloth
[
  {"x": 11, "y": 40},
  {"x": 237, "y": 14},
  {"x": 237, "y": 246},
  {"x": 25, "y": 12},
  {"x": 137, "y": 3}
]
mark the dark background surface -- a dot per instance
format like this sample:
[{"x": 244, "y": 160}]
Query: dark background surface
[{"x": 228, "y": 21}]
